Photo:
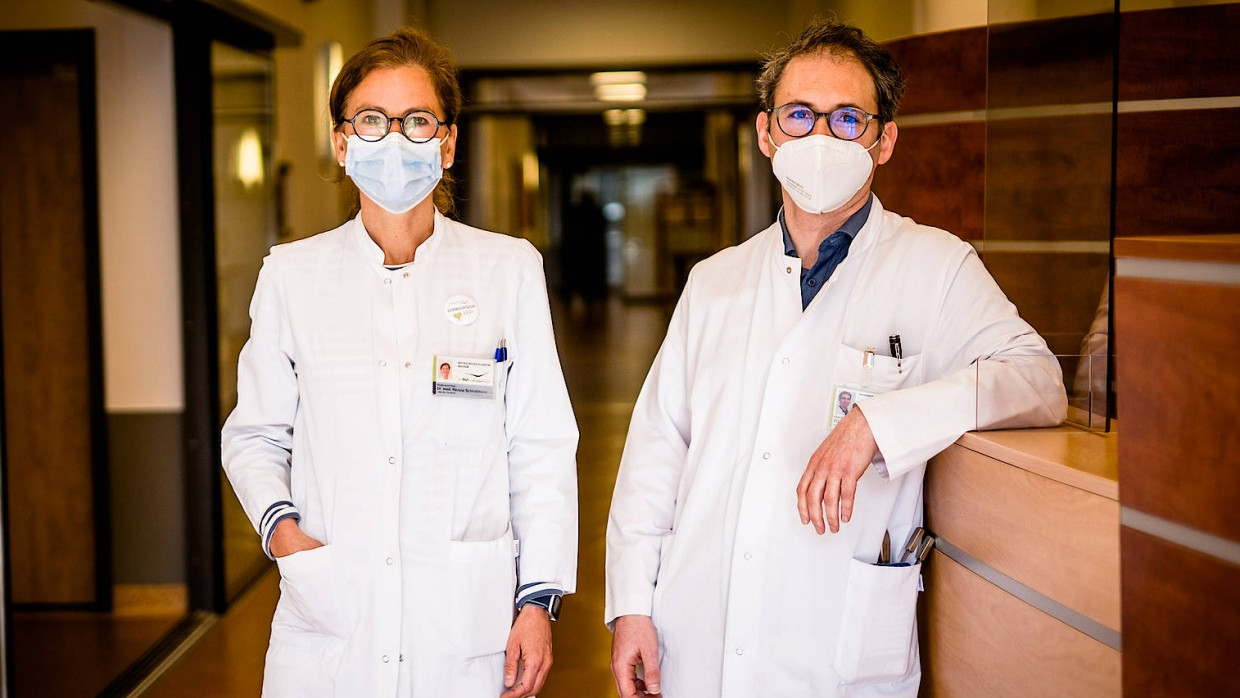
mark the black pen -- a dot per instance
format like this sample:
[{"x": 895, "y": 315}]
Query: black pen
[{"x": 897, "y": 351}]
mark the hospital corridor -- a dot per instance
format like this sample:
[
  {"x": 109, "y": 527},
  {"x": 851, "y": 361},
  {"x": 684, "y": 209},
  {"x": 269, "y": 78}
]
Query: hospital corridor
[{"x": 268, "y": 269}]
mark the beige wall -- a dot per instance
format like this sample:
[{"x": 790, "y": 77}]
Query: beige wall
[{"x": 138, "y": 223}]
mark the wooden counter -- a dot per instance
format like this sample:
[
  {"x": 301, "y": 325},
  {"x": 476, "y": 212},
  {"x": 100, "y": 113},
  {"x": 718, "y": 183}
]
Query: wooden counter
[{"x": 1023, "y": 591}]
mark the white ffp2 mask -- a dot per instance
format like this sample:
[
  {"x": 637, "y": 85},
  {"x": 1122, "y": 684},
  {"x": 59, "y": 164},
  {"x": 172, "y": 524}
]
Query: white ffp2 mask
[
  {"x": 822, "y": 173},
  {"x": 394, "y": 172}
]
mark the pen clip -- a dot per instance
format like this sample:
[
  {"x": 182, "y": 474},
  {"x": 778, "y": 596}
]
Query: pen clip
[
  {"x": 924, "y": 550},
  {"x": 867, "y": 365},
  {"x": 914, "y": 539}
]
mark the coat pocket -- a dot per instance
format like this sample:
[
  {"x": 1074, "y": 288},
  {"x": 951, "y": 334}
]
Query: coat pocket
[
  {"x": 878, "y": 636},
  {"x": 484, "y": 582},
  {"x": 308, "y": 601}
]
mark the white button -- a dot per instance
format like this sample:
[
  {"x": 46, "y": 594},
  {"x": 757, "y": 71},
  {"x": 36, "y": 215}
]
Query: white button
[
  {"x": 787, "y": 361},
  {"x": 748, "y": 556},
  {"x": 389, "y": 561},
  {"x": 385, "y": 659},
  {"x": 392, "y": 460},
  {"x": 407, "y": 364},
  {"x": 738, "y": 651},
  {"x": 766, "y": 456},
  {"x": 387, "y": 281}
]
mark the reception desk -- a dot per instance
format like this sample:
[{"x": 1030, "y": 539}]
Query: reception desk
[{"x": 1023, "y": 590}]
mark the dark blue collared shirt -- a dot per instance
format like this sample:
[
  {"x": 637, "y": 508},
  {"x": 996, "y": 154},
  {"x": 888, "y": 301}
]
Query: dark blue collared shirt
[{"x": 831, "y": 251}]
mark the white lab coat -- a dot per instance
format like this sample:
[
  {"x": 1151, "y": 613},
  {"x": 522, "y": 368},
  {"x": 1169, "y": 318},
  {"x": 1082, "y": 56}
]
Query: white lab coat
[
  {"x": 704, "y": 534},
  {"x": 418, "y": 498}
]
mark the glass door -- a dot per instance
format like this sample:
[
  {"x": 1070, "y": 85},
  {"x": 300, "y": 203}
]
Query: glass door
[{"x": 245, "y": 228}]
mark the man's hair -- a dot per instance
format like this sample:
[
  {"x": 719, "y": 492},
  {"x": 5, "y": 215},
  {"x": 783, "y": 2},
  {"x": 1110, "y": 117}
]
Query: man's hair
[
  {"x": 833, "y": 37},
  {"x": 404, "y": 47}
]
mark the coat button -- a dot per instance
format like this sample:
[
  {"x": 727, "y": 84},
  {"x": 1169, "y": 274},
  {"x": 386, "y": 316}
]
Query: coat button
[
  {"x": 789, "y": 270},
  {"x": 748, "y": 556},
  {"x": 407, "y": 364},
  {"x": 388, "y": 282},
  {"x": 382, "y": 363},
  {"x": 385, "y": 659},
  {"x": 402, "y": 657},
  {"x": 389, "y": 560},
  {"x": 392, "y": 460},
  {"x": 406, "y": 275},
  {"x": 739, "y": 651},
  {"x": 787, "y": 361},
  {"x": 766, "y": 456}
]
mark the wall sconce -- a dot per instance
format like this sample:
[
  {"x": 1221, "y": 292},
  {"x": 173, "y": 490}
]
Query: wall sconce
[{"x": 250, "y": 158}]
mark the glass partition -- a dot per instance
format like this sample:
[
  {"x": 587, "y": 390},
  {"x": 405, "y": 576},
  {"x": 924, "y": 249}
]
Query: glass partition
[{"x": 245, "y": 215}]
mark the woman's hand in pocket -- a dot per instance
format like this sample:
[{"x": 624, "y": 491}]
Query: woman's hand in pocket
[{"x": 288, "y": 538}]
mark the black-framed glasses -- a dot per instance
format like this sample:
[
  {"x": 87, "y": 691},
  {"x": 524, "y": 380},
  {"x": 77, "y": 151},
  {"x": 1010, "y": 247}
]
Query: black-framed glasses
[
  {"x": 418, "y": 126},
  {"x": 845, "y": 123}
]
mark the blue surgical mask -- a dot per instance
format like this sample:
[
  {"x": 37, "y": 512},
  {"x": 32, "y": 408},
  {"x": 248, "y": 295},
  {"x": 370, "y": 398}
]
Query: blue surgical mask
[{"x": 394, "y": 172}]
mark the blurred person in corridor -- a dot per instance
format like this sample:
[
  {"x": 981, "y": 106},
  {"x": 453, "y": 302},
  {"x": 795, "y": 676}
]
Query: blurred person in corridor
[
  {"x": 721, "y": 577},
  {"x": 403, "y": 440}
]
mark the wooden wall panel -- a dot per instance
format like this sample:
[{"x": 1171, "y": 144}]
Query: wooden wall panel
[
  {"x": 945, "y": 192},
  {"x": 1179, "y": 52},
  {"x": 1178, "y": 172},
  {"x": 1059, "y": 540},
  {"x": 1180, "y": 394},
  {"x": 1184, "y": 604},
  {"x": 1049, "y": 178},
  {"x": 49, "y": 442},
  {"x": 982, "y": 641},
  {"x": 1058, "y": 61},
  {"x": 1057, "y": 293},
  {"x": 945, "y": 72}
]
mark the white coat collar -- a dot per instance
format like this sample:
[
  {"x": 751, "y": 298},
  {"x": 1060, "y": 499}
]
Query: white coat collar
[
  {"x": 864, "y": 240},
  {"x": 373, "y": 254}
]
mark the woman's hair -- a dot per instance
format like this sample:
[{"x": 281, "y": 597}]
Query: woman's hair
[{"x": 404, "y": 47}]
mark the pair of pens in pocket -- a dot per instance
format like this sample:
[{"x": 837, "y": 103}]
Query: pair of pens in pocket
[{"x": 918, "y": 546}]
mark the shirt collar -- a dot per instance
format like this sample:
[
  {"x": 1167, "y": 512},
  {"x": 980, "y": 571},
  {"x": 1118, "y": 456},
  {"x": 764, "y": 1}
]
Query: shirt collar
[{"x": 851, "y": 227}]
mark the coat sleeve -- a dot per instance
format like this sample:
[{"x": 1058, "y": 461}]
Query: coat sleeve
[
  {"x": 542, "y": 440},
  {"x": 643, "y": 504},
  {"x": 257, "y": 438},
  {"x": 988, "y": 369}
]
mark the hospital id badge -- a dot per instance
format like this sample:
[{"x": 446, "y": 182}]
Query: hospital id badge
[
  {"x": 473, "y": 378},
  {"x": 844, "y": 398}
]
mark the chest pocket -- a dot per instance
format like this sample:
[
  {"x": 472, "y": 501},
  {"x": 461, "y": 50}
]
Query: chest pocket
[
  {"x": 885, "y": 373},
  {"x": 469, "y": 422}
]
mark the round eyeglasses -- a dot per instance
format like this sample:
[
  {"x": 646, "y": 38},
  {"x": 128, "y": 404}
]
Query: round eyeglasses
[
  {"x": 845, "y": 123},
  {"x": 418, "y": 126}
]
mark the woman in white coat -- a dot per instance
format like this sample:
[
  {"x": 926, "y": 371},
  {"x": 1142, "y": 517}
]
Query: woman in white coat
[{"x": 403, "y": 440}]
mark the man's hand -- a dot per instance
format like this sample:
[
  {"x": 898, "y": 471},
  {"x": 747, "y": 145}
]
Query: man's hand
[
  {"x": 830, "y": 479},
  {"x": 530, "y": 642},
  {"x": 288, "y": 538},
  {"x": 635, "y": 643}
]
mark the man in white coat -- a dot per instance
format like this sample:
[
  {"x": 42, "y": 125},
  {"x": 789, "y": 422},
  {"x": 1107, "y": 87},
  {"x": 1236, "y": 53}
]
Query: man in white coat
[{"x": 721, "y": 579}]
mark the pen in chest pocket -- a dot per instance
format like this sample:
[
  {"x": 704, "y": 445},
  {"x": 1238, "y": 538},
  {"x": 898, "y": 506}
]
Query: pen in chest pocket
[
  {"x": 897, "y": 351},
  {"x": 501, "y": 351}
]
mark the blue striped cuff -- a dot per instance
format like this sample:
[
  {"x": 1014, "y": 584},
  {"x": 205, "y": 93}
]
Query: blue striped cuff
[
  {"x": 275, "y": 514},
  {"x": 539, "y": 593}
]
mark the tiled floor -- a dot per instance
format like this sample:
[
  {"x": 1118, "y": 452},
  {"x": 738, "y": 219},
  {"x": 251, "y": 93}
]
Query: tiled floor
[{"x": 605, "y": 354}]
